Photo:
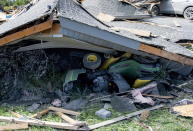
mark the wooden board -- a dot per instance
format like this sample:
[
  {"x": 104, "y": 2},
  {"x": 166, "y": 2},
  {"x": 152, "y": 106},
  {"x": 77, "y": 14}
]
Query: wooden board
[
  {"x": 14, "y": 127},
  {"x": 40, "y": 114},
  {"x": 184, "y": 110},
  {"x": 108, "y": 122},
  {"x": 26, "y": 32},
  {"x": 158, "y": 96},
  {"x": 70, "y": 120},
  {"x": 36, "y": 122},
  {"x": 16, "y": 114},
  {"x": 166, "y": 54},
  {"x": 56, "y": 28},
  {"x": 69, "y": 112}
]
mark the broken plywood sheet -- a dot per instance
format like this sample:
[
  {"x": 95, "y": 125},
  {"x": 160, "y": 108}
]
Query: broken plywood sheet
[{"x": 184, "y": 110}]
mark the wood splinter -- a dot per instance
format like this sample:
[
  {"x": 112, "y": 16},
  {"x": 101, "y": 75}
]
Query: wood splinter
[
  {"x": 69, "y": 112},
  {"x": 70, "y": 120},
  {"x": 40, "y": 114}
]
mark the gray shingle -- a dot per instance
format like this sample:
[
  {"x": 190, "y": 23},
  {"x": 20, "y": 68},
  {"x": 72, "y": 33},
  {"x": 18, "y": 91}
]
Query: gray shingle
[
  {"x": 35, "y": 12},
  {"x": 69, "y": 9}
]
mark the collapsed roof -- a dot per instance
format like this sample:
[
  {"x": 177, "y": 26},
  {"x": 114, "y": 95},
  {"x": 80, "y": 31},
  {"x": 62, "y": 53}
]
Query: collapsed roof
[{"x": 80, "y": 22}]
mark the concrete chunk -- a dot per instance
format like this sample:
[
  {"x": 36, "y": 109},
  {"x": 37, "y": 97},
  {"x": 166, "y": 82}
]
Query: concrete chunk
[{"x": 102, "y": 113}]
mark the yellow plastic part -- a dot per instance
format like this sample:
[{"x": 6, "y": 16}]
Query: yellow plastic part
[
  {"x": 112, "y": 60},
  {"x": 138, "y": 83},
  {"x": 92, "y": 58}
]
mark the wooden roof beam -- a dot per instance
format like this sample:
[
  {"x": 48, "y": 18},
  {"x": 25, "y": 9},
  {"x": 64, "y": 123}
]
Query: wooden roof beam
[
  {"x": 26, "y": 32},
  {"x": 166, "y": 54}
]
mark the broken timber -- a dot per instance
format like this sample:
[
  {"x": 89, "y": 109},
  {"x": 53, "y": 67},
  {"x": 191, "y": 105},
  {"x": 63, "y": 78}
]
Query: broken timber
[
  {"x": 40, "y": 114},
  {"x": 158, "y": 96},
  {"x": 70, "y": 120},
  {"x": 26, "y": 32},
  {"x": 14, "y": 127},
  {"x": 39, "y": 123},
  {"x": 64, "y": 111},
  {"x": 108, "y": 122},
  {"x": 166, "y": 54}
]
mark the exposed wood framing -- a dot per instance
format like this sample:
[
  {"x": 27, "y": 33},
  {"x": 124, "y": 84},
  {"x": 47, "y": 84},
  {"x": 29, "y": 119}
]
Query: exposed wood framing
[
  {"x": 166, "y": 54},
  {"x": 26, "y": 32},
  {"x": 56, "y": 27}
]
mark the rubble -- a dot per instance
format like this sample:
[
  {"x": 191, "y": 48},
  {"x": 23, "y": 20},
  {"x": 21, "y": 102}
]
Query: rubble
[
  {"x": 122, "y": 104},
  {"x": 103, "y": 113},
  {"x": 57, "y": 103},
  {"x": 33, "y": 107},
  {"x": 73, "y": 54},
  {"x": 76, "y": 105},
  {"x": 107, "y": 106}
]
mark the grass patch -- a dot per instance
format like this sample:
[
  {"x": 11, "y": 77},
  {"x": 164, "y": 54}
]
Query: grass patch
[{"x": 159, "y": 120}]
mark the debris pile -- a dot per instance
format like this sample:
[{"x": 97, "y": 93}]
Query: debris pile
[{"x": 72, "y": 54}]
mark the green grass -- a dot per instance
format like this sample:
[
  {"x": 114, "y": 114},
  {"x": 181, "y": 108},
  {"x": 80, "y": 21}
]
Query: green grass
[{"x": 159, "y": 120}]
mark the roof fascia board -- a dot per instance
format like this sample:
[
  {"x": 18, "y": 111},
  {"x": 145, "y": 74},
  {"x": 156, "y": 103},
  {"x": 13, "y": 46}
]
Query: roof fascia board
[
  {"x": 26, "y": 32},
  {"x": 166, "y": 54}
]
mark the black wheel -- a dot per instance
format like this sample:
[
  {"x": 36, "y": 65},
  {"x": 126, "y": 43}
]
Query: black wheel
[
  {"x": 188, "y": 13},
  {"x": 154, "y": 11}
]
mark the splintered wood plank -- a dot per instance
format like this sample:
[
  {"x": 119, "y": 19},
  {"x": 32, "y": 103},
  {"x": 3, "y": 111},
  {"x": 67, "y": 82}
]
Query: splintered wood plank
[
  {"x": 16, "y": 114},
  {"x": 40, "y": 114},
  {"x": 26, "y": 32},
  {"x": 158, "y": 96},
  {"x": 14, "y": 127},
  {"x": 69, "y": 112},
  {"x": 108, "y": 122},
  {"x": 36, "y": 122},
  {"x": 166, "y": 54},
  {"x": 70, "y": 120}
]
